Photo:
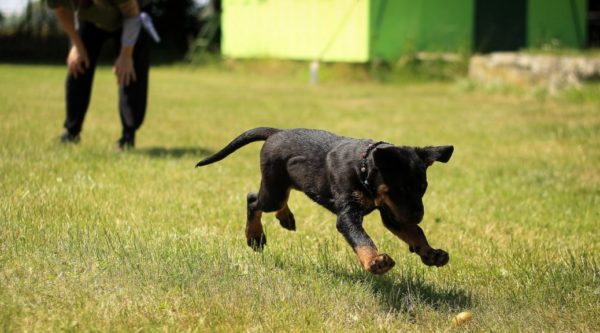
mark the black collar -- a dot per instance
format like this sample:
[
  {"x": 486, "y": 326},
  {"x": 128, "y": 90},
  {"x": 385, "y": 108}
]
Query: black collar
[{"x": 364, "y": 167}]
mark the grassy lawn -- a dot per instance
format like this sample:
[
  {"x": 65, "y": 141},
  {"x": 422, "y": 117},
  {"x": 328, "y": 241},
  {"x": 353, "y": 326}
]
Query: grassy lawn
[{"x": 94, "y": 240}]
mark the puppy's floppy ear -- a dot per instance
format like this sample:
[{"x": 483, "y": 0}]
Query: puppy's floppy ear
[{"x": 435, "y": 154}]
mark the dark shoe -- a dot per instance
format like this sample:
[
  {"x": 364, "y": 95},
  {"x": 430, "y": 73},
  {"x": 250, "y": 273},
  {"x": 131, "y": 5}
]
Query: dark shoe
[
  {"x": 125, "y": 144},
  {"x": 68, "y": 138}
]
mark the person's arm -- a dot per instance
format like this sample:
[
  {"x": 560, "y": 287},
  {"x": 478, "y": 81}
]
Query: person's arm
[
  {"x": 77, "y": 60},
  {"x": 124, "y": 69}
]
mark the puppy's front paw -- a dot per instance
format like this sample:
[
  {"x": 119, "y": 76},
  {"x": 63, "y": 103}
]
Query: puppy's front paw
[
  {"x": 435, "y": 258},
  {"x": 381, "y": 264}
]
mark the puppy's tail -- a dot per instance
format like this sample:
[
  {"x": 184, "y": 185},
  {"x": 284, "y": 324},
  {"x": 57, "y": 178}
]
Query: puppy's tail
[{"x": 256, "y": 134}]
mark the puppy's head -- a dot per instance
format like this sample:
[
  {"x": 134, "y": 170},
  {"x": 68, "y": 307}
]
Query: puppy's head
[{"x": 404, "y": 178}]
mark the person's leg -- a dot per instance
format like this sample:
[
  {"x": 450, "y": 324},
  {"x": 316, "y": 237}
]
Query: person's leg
[
  {"x": 132, "y": 98},
  {"x": 78, "y": 90}
]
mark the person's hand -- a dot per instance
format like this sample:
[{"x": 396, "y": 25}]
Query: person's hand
[
  {"x": 124, "y": 70},
  {"x": 77, "y": 61}
]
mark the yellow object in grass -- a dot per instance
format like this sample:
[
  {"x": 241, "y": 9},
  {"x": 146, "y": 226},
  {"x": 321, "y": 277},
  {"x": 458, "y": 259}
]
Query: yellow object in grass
[{"x": 462, "y": 318}]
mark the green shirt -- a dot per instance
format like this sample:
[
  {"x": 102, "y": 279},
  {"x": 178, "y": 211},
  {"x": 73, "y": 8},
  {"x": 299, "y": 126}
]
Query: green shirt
[{"x": 105, "y": 14}]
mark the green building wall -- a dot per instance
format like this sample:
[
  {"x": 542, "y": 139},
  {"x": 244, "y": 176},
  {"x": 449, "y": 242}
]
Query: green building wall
[
  {"x": 363, "y": 30},
  {"x": 330, "y": 30},
  {"x": 400, "y": 26},
  {"x": 557, "y": 21}
]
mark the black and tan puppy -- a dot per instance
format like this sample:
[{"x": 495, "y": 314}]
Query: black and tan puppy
[{"x": 349, "y": 177}]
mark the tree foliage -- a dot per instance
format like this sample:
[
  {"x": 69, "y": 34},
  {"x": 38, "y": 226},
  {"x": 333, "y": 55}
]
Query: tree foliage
[{"x": 177, "y": 22}]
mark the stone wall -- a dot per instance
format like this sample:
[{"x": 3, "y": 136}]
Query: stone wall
[{"x": 551, "y": 72}]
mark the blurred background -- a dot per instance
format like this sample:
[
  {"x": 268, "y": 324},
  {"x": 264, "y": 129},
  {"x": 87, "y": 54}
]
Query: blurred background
[{"x": 380, "y": 38}]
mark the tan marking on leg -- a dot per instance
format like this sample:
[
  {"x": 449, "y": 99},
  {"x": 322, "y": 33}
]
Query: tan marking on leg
[
  {"x": 372, "y": 261},
  {"x": 366, "y": 255},
  {"x": 254, "y": 227},
  {"x": 283, "y": 212},
  {"x": 414, "y": 236},
  {"x": 286, "y": 218}
]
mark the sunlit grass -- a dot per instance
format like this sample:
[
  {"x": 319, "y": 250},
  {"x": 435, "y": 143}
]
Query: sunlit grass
[{"x": 91, "y": 239}]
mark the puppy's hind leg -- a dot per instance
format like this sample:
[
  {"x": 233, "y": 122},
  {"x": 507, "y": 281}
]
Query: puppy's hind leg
[
  {"x": 273, "y": 195},
  {"x": 285, "y": 216},
  {"x": 255, "y": 237},
  {"x": 268, "y": 199}
]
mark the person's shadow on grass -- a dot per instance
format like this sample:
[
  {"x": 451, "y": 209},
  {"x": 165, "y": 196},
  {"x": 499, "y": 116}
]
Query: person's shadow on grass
[{"x": 174, "y": 152}]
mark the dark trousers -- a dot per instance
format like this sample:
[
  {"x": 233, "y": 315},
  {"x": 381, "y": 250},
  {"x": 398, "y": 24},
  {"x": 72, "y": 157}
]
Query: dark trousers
[{"x": 132, "y": 98}]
